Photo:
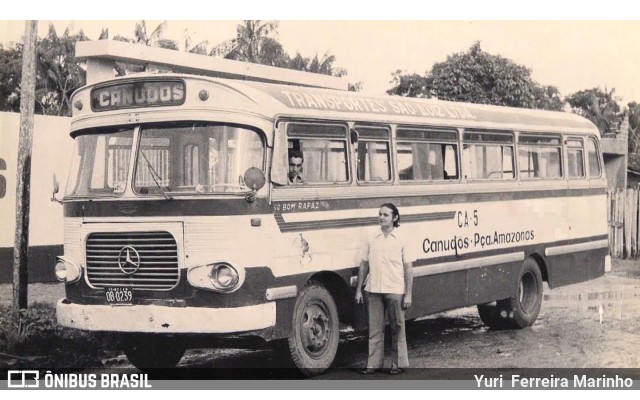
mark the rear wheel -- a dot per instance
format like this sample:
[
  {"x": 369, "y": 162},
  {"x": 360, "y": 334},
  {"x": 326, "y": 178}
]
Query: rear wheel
[
  {"x": 520, "y": 310},
  {"x": 315, "y": 334},
  {"x": 147, "y": 351}
]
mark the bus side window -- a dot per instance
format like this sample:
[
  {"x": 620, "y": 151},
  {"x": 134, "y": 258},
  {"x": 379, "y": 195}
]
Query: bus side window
[
  {"x": 593, "y": 158},
  {"x": 488, "y": 155},
  {"x": 324, "y": 150},
  {"x": 575, "y": 158},
  {"x": 423, "y": 155},
  {"x": 373, "y": 154},
  {"x": 539, "y": 157}
]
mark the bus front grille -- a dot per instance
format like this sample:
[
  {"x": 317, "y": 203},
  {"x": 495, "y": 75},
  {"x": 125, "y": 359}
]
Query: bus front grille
[{"x": 138, "y": 260}]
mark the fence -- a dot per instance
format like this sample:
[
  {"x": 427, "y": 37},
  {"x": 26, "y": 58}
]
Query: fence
[{"x": 622, "y": 211}]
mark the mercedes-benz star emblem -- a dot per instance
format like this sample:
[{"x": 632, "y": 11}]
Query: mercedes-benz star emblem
[{"x": 129, "y": 260}]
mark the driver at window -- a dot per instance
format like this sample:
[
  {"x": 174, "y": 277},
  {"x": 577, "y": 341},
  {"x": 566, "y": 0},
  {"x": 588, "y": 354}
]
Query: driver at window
[{"x": 295, "y": 167}]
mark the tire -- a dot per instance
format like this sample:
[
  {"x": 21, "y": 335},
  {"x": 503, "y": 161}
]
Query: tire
[
  {"x": 152, "y": 351},
  {"x": 521, "y": 310},
  {"x": 315, "y": 331}
]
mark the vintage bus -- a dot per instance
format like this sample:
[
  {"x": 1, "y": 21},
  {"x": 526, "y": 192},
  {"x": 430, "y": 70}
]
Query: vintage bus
[{"x": 181, "y": 228}]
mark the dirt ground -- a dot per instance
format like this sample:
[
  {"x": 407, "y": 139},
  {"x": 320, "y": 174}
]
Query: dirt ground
[{"x": 595, "y": 324}]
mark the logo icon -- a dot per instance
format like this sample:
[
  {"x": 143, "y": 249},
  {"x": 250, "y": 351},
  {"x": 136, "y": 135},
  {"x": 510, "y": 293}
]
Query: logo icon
[
  {"x": 23, "y": 376},
  {"x": 129, "y": 260}
]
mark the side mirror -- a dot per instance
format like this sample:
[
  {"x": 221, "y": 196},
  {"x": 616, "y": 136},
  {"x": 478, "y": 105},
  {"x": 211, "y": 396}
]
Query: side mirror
[
  {"x": 56, "y": 189},
  {"x": 254, "y": 179}
]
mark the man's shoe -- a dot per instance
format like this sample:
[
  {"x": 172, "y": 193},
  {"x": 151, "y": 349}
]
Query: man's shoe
[
  {"x": 395, "y": 371},
  {"x": 368, "y": 371}
]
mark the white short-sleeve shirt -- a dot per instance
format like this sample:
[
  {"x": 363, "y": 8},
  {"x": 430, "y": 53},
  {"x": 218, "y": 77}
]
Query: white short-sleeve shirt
[{"x": 386, "y": 257}]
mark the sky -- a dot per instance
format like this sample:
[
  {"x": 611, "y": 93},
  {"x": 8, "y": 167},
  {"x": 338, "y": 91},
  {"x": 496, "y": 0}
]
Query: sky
[{"x": 571, "y": 55}]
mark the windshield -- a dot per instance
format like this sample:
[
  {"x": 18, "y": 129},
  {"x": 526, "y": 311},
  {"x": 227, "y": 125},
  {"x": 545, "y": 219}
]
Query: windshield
[
  {"x": 100, "y": 163},
  {"x": 196, "y": 158}
]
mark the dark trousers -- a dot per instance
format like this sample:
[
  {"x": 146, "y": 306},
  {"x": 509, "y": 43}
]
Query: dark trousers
[{"x": 378, "y": 305}]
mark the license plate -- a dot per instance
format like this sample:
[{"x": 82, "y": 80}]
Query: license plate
[{"x": 119, "y": 295}]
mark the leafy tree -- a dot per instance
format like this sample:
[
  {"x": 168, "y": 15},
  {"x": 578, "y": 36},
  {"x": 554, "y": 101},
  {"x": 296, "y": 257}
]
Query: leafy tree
[
  {"x": 408, "y": 85},
  {"x": 634, "y": 135},
  {"x": 10, "y": 76},
  {"x": 476, "y": 76},
  {"x": 597, "y": 105},
  {"x": 59, "y": 73},
  {"x": 272, "y": 53}
]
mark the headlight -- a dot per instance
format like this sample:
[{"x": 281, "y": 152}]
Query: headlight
[
  {"x": 219, "y": 277},
  {"x": 224, "y": 277},
  {"x": 67, "y": 270}
]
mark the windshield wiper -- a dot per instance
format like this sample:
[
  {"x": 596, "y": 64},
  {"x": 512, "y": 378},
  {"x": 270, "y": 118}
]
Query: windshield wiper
[{"x": 154, "y": 174}]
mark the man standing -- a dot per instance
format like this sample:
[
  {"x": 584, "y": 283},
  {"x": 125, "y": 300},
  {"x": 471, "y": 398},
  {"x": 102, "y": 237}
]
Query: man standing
[{"x": 387, "y": 264}]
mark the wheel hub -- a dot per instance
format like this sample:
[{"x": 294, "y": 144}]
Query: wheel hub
[{"x": 316, "y": 329}]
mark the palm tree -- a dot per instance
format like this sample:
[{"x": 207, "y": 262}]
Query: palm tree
[
  {"x": 189, "y": 47},
  {"x": 247, "y": 45},
  {"x": 322, "y": 65},
  {"x": 59, "y": 74},
  {"x": 155, "y": 38}
]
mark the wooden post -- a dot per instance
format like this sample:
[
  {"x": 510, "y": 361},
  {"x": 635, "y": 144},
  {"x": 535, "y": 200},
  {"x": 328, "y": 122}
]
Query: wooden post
[
  {"x": 633, "y": 222},
  {"x": 636, "y": 221},
  {"x": 627, "y": 224},
  {"x": 609, "y": 221},
  {"x": 23, "y": 181}
]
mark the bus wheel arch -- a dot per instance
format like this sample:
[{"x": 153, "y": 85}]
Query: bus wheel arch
[
  {"x": 315, "y": 334},
  {"x": 542, "y": 264},
  {"x": 340, "y": 291}
]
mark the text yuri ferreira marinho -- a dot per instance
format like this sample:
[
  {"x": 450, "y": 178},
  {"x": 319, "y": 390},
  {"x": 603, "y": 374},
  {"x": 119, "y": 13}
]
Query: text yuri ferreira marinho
[{"x": 578, "y": 381}]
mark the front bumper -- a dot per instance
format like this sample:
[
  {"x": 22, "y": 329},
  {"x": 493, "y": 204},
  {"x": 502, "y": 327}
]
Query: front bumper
[{"x": 163, "y": 319}]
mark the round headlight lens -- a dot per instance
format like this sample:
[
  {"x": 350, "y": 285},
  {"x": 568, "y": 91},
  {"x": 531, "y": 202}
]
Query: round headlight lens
[
  {"x": 61, "y": 271},
  {"x": 224, "y": 277}
]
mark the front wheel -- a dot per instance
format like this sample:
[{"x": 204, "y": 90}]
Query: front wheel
[
  {"x": 314, "y": 338},
  {"x": 147, "y": 351}
]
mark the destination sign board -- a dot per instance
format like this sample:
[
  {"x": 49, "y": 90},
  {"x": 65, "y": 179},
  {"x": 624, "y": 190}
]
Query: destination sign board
[{"x": 138, "y": 94}]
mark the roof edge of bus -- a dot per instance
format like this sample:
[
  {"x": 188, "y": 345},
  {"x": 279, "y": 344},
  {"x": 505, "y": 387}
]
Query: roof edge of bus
[{"x": 268, "y": 89}]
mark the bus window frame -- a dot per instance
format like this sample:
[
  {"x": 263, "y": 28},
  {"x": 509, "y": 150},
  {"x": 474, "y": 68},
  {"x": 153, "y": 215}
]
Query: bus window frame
[
  {"x": 177, "y": 150},
  {"x": 390, "y": 153},
  {"x": 566, "y": 147},
  {"x": 455, "y": 141},
  {"x": 489, "y": 131},
  {"x": 560, "y": 145},
  {"x": 599, "y": 158},
  {"x": 348, "y": 149}
]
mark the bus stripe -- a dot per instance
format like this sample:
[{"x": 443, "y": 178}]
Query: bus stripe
[
  {"x": 574, "y": 248},
  {"x": 451, "y": 263},
  {"x": 355, "y": 222},
  {"x": 434, "y": 269},
  {"x": 222, "y": 207}
]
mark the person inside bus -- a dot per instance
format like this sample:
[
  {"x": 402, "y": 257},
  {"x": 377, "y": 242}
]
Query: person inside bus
[
  {"x": 386, "y": 263},
  {"x": 296, "y": 159}
]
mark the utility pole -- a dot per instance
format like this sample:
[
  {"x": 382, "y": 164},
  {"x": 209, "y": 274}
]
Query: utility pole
[{"x": 23, "y": 181}]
